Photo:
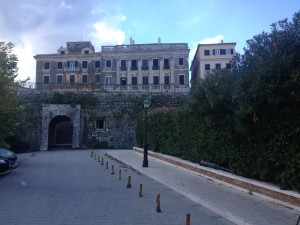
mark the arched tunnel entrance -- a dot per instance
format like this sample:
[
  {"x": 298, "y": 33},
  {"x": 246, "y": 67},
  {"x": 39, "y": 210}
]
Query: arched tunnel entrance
[{"x": 60, "y": 134}]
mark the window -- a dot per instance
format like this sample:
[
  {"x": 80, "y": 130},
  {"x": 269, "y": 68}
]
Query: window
[
  {"x": 167, "y": 80},
  {"x": 108, "y": 63},
  {"x": 46, "y": 79},
  {"x": 180, "y": 61},
  {"x": 59, "y": 65},
  {"x": 46, "y": 65},
  {"x": 228, "y": 66},
  {"x": 216, "y": 52},
  {"x": 134, "y": 64},
  {"x": 134, "y": 80},
  {"x": 72, "y": 65},
  {"x": 97, "y": 64},
  {"x": 207, "y": 66},
  {"x": 84, "y": 78},
  {"x": 145, "y": 64},
  {"x": 181, "y": 79},
  {"x": 231, "y": 51},
  {"x": 206, "y": 52},
  {"x": 166, "y": 64},
  {"x": 72, "y": 79},
  {"x": 218, "y": 66},
  {"x": 223, "y": 51},
  {"x": 84, "y": 64},
  {"x": 97, "y": 78},
  {"x": 123, "y": 80},
  {"x": 156, "y": 80},
  {"x": 62, "y": 52},
  {"x": 108, "y": 80},
  {"x": 100, "y": 123},
  {"x": 145, "y": 80},
  {"x": 123, "y": 65},
  {"x": 155, "y": 64},
  {"x": 86, "y": 52},
  {"x": 59, "y": 79}
]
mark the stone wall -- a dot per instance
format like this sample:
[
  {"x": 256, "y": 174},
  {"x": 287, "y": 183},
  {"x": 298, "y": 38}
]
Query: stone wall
[{"x": 118, "y": 111}]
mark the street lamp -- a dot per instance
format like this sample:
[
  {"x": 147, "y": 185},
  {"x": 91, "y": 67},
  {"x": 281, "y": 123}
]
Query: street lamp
[{"x": 146, "y": 106}]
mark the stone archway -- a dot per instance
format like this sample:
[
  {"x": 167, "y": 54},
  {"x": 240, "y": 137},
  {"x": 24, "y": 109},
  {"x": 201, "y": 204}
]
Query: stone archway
[
  {"x": 60, "y": 126},
  {"x": 60, "y": 133}
]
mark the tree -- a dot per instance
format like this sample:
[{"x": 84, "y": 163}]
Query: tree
[{"x": 9, "y": 106}]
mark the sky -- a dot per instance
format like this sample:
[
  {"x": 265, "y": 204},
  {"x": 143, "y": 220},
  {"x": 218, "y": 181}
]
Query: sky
[{"x": 42, "y": 26}]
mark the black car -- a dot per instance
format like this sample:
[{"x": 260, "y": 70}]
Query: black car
[
  {"x": 4, "y": 166},
  {"x": 9, "y": 155}
]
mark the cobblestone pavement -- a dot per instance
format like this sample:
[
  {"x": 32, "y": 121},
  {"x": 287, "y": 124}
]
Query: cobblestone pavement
[{"x": 72, "y": 188}]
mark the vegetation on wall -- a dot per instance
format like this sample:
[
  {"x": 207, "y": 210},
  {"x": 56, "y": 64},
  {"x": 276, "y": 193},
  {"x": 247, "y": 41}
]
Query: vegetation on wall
[{"x": 247, "y": 119}]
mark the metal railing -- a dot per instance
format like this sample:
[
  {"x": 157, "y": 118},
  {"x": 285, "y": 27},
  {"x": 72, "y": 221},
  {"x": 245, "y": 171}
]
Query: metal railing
[{"x": 94, "y": 87}]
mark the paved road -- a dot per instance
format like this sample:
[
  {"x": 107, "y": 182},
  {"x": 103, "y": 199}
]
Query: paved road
[
  {"x": 72, "y": 188},
  {"x": 235, "y": 205}
]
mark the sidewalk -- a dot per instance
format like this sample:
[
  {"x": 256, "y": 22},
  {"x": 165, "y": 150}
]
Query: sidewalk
[{"x": 231, "y": 203}]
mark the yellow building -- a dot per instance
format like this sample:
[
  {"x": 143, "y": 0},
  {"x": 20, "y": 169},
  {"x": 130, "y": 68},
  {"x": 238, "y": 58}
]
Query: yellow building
[{"x": 209, "y": 57}]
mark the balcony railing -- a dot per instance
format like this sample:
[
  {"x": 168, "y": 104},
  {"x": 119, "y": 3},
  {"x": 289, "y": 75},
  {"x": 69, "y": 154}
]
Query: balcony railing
[
  {"x": 94, "y": 87},
  {"x": 71, "y": 69}
]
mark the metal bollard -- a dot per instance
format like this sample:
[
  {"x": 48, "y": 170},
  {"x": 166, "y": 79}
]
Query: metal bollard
[
  {"x": 120, "y": 175},
  {"x": 92, "y": 154},
  {"x": 188, "y": 219},
  {"x": 95, "y": 156},
  {"x": 106, "y": 165},
  {"x": 158, "y": 202},
  {"x": 102, "y": 161},
  {"x": 141, "y": 191},
  {"x": 98, "y": 158},
  {"x": 129, "y": 182},
  {"x": 112, "y": 169}
]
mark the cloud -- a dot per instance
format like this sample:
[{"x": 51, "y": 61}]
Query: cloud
[
  {"x": 213, "y": 40},
  {"x": 105, "y": 35},
  {"x": 207, "y": 40},
  {"x": 42, "y": 26}
]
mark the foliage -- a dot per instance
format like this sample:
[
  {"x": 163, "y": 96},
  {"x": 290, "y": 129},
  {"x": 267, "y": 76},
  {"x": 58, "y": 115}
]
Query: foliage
[
  {"x": 87, "y": 101},
  {"x": 246, "y": 120},
  {"x": 9, "y": 105}
]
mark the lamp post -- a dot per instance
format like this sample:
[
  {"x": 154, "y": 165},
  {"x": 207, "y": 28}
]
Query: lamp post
[{"x": 145, "y": 161}]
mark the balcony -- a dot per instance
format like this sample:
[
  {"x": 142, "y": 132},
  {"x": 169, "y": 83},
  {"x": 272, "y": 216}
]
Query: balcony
[
  {"x": 123, "y": 68},
  {"x": 71, "y": 69},
  {"x": 166, "y": 67},
  {"x": 155, "y": 67},
  {"x": 134, "y": 68},
  {"x": 145, "y": 67}
]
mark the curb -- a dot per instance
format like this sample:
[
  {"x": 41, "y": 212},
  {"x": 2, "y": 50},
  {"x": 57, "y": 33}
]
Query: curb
[{"x": 287, "y": 198}]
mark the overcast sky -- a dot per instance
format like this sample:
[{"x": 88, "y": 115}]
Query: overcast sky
[{"x": 42, "y": 26}]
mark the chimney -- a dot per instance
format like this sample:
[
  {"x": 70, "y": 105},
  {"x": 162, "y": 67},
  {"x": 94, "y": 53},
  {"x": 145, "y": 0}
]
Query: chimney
[
  {"x": 222, "y": 41},
  {"x": 131, "y": 41},
  {"x": 159, "y": 40}
]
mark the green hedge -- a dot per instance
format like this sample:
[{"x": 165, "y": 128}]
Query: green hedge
[{"x": 246, "y": 120}]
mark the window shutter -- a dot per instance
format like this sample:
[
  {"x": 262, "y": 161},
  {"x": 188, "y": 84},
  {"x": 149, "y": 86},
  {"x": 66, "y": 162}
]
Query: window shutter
[{"x": 214, "y": 52}]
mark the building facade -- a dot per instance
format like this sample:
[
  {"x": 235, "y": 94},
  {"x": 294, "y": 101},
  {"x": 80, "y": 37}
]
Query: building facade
[
  {"x": 209, "y": 57},
  {"x": 158, "y": 67}
]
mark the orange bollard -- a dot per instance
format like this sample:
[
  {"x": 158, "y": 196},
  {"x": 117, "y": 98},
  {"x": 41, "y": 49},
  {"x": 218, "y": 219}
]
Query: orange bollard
[
  {"x": 188, "y": 219},
  {"x": 158, "y": 203}
]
